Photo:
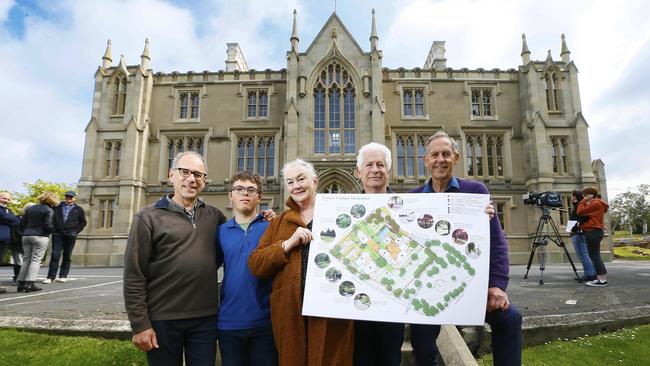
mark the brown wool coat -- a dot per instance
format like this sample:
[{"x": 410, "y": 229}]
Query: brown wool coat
[{"x": 327, "y": 341}]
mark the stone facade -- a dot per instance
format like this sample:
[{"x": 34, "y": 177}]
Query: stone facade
[{"x": 519, "y": 130}]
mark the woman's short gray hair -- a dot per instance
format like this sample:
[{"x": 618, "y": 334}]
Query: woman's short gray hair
[
  {"x": 311, "y": 172},
  {"x": 373, "y": 146}
]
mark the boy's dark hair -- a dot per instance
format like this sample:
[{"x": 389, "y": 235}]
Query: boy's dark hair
[{"x": 247, "y": 176}]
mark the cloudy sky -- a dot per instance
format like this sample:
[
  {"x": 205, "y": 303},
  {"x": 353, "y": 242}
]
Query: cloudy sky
[{"x": 50, "y": 49}]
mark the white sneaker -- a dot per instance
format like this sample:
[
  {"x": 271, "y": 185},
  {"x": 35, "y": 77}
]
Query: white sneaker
[
  {"x": 47, "y": 281},
  {"x": 61, "y": 279}
]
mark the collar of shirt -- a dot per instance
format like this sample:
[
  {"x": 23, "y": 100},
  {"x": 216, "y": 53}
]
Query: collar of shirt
[
  {"x": 232, "y": 223},
  {"x": 453, "y": 186}
]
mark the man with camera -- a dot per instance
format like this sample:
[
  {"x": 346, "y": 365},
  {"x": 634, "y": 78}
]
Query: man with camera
[{"x": 440, "y": 158}]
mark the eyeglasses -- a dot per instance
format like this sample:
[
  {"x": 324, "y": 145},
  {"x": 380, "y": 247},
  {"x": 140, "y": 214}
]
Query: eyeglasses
[
  {"x": 250, "y": 191},
  {"x": 199, "y": 176}
]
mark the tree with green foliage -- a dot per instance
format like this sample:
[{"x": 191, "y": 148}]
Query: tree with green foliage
[
  {"x": 630, "y": 210},
  {"x": 36, "y": 189}
]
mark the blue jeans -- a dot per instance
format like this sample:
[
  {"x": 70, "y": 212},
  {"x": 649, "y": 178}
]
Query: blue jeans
[
  {"x": 378, "y": 343},
  {"x": 580, "y": 247},
  {"x": 248, "y": 347},
  {"x": 61, "y": 243},
  {"x": 506, "y": 339},
  {"x": 196, "y": 338}
]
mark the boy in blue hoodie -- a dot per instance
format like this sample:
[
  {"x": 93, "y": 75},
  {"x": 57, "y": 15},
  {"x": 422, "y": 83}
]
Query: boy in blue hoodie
[{"x": 244, "y": 321}]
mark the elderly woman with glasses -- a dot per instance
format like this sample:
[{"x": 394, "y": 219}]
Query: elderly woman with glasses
[{"x": 282, "y": 255}]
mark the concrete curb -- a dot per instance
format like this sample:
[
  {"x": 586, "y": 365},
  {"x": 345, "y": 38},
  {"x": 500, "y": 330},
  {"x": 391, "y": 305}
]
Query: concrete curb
[{"x": 87, "y": 327}]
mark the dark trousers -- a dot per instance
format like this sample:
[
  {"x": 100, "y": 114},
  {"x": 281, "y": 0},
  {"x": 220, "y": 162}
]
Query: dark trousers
[
  {"x": 594, "y": 237},
  {"x": 196, "y": 338},
  {"x": 378, "y": 343},
  {"x": 506, "y": 339},
  {"x": 65, "y": 244},
  {"x": 247, "y": 347}
]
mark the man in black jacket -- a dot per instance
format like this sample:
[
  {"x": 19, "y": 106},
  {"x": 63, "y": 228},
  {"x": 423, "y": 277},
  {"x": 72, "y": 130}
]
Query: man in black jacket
[{"x": 69, "y": 220}]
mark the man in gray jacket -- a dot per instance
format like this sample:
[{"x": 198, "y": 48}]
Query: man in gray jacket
[{"x": 170, "y": 271}]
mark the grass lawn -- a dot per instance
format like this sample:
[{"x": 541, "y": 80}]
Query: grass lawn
[
  {"x": 625, "y": 347},
  {"x": 631, "y": 252},
  {"x": 26, "y": 348},
  {"x": 618, "y": 235}
]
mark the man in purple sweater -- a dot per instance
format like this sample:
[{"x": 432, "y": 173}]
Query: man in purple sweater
[{"x": 440, "y": 158}]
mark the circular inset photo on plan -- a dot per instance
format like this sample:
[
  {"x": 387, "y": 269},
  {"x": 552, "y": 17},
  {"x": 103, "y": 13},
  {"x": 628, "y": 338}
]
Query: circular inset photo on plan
[
  {"x": 426, "y": 221},
  {"x": 472, "y": 250},
  {"x": 333, "y": 275},
  {"x": 443, "y": 227},
  {"x": 322, "y": 260},
  {"x": 406, "y": 216},
  {"x": 327, "y": 235},
  {"x": 343, "y": 221},
  {"x": 395, "y": 203},
  {"x": 362, "y": 301},
  {"x": 346, "y": 288},
  {"x": 358, "y": 211},
  {"x": 460, "y": 236}
]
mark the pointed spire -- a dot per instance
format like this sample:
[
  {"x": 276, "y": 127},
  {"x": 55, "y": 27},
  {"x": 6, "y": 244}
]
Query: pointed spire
[
  {"x": 525, "y": 52},
  {"x": 145, "y": 58},
  {"x": 294, "y": 33},
  {"x": 373, "y": 33},
  {"x": 565, "y": 53},
  {"x": 549, "y": 58},
  {"x": 107, "y": 59}
]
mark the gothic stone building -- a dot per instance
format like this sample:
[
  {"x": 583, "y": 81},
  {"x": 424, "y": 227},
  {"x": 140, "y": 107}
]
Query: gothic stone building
[{"x": 519, "y": 130}]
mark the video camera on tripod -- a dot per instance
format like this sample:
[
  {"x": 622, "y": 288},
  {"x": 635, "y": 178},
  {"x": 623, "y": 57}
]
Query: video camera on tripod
[
  {"x": 543, "y": 199},
  {"x": 546, "y": 229}
]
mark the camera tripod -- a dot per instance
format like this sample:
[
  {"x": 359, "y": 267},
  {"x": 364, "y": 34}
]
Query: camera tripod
[{"x": 540, "y": 241}]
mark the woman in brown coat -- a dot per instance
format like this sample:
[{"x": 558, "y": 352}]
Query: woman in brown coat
[{"x": 282, "y": 255}]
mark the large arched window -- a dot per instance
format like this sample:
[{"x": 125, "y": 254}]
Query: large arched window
[{"x": 334, "y": 111}]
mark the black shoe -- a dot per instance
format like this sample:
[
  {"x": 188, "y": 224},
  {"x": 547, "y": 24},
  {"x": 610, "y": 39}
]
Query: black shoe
[
  {"x": 31, "y": 287},
  {"x": 22, "y": 286},
  {"x": 586, "y": 278}
]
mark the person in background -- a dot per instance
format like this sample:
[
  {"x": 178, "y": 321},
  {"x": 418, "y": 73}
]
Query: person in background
[
  {"x": 8, "y": 222},
  {"x": 244, "y": 320},
  {"x": 37, "y": 226},
  {"x": 282, "y": 256},
  {"x": 578, "y": 239},
  {"x": 170, "y": 271},
  {"x": 69, "y": 220},
  {"x": 594, "y": 208}
]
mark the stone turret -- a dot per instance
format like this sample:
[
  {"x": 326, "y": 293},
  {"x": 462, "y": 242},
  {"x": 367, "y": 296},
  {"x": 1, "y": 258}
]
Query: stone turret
[
  {"x": 565, "y": 53},
  {"x": 107, "y": 59},
  {"x": 145, "y": 58},
  {"x": 373, "y": 33},
  {"x": 525, "y": 52},
  {"x": 294, "y": 33}
]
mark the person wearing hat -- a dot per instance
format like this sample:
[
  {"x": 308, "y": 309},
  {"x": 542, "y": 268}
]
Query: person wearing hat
[{"x": 69, "y": 220}]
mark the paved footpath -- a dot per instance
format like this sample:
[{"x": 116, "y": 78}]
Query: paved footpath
[{"x": 91, "y": 301}]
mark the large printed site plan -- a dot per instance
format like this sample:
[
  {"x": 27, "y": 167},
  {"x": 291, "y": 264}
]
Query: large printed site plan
[{"x": 399, "y": 257}]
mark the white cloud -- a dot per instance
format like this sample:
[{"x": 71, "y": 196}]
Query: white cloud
[
  {"x": 5, "y": 7},
  {"x": 51, "y": 67}
]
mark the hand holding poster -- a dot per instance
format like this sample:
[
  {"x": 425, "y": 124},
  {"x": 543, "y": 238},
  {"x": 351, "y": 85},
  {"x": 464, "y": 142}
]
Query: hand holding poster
[{"x": 407, "y": 258}]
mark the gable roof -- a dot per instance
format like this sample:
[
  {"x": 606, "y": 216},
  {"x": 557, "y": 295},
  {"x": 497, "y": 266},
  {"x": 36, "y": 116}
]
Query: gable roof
[{"x": 338, "y": 24}]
